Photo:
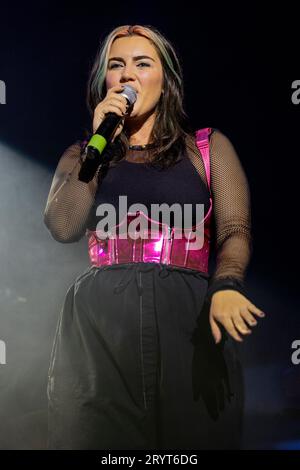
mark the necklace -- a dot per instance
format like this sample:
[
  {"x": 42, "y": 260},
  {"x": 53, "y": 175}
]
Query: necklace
[{"x": 141, "y": 147}]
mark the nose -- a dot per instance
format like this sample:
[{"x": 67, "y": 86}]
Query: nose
[{"x": 127, "y": 73}]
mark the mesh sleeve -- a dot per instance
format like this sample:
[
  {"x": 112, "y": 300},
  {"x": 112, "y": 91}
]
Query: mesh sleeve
[
  {"x": 69, "y": 201},
  {"x": 232, "y": 216}
]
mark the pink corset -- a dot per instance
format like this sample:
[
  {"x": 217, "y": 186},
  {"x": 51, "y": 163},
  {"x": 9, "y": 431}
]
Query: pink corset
[{"x": 163, "y": 244}]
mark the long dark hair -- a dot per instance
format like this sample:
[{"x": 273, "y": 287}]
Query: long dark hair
[{"x": 171, "y": 124}]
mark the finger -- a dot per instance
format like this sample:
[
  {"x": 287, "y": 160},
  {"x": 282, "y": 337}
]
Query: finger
[
  {"x": 121, "y": 103},
  {"x": 240, "y": 325},
  {"x": 106, "y": 102},
  {"x": 248, "y": 317},
  {"x": 116, "y": 95},
  {"x": 252, "y": 308},
  {"x": 115, "y": 88},
  {"x": 108, "y": 108},
  {"x": 118, "y": 100},
  {"x": 216, "y": 332},
  {"x": 118, "y": 130},
  {"x": 98, "y": 118},
  {"x": 112, "y": 108},
  {"x": 230, "y": 328}
]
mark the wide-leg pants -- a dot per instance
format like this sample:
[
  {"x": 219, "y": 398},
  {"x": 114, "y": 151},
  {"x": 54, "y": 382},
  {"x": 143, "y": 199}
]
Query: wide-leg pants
[{"x": 134, "y": 364}]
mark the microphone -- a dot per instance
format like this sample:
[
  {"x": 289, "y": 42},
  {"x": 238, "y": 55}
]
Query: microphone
[{"x": 102, "y": 137}]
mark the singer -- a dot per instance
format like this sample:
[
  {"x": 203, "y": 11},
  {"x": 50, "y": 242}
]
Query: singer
[{"x": 145, "y": 354}]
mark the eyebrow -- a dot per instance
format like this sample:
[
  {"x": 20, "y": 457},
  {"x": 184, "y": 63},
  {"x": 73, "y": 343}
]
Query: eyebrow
[{"x": 138, "y": 57}]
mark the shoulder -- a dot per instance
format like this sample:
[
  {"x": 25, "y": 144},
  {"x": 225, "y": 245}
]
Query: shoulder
[
  {"x": 217, "y": 138},
  {"x": 218, "y": 141},
  {"x": 69, "y": 156},
  {"x": 221, "y": 145}
]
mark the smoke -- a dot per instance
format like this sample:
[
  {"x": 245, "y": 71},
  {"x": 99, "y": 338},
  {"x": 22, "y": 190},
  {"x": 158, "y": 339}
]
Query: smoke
[{"x": 35, "y": 274}]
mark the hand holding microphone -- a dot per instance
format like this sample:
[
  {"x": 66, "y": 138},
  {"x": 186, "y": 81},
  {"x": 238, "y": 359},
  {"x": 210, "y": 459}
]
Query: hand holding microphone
[
  {"x": 108, "y": 121},
  {"x": 114, "y": 102}
]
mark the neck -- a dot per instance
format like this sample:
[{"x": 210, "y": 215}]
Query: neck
[{"x": 139, "y": 129}]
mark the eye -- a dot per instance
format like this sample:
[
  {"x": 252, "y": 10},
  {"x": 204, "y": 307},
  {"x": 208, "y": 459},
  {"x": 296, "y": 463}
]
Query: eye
[{"x": 112, "y": 66}]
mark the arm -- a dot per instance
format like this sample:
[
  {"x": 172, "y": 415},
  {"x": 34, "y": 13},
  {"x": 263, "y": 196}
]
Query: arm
[
  {"x": 232, "y": 217},
  {"x": 70, "y": 200}
]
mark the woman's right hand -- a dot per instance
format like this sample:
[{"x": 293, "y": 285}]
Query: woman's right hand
[{"x": 113, "y": 102}]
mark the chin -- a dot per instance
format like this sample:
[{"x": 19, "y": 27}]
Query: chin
[
  {"x": 139, "y": 114},
  {"x": 133, "y": 115}
]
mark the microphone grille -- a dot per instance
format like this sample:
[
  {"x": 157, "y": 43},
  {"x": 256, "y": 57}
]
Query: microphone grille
[{"x": 130, "y": 94}]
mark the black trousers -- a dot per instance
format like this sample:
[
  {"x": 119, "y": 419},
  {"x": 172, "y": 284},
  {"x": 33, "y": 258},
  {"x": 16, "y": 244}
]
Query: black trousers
[{"x": 134, "y": 364}]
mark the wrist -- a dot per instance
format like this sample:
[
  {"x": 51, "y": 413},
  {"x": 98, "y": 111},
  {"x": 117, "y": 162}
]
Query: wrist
[{"x": 228, "y": 283}]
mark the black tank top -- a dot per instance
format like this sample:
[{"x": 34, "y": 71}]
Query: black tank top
[{"x": 146, "y": 185}]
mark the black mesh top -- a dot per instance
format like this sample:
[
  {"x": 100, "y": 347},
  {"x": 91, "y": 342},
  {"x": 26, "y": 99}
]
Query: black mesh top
[
  {"x": 71, "y": 204},
  {"x": 147, "y": 185}
]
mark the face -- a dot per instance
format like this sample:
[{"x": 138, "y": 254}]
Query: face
[{"x": 134, "y": 61}]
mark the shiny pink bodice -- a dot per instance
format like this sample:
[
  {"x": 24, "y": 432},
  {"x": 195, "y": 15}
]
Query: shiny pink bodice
[{"x": 163, "y": 244}]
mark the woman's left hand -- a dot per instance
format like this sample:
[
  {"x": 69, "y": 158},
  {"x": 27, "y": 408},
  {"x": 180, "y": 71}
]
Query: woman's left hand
[{"x": 234, "y": 311}]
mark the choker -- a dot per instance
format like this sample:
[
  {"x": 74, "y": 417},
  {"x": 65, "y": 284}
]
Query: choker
[{"x": 141, "y": 147}]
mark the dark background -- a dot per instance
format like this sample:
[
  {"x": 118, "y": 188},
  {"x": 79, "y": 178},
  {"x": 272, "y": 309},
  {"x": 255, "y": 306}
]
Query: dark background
[{"x": 239, "y": 63}]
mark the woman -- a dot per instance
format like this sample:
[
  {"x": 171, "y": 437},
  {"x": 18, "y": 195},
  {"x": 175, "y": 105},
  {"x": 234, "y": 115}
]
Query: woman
[{"x": 144, "y": 355}]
